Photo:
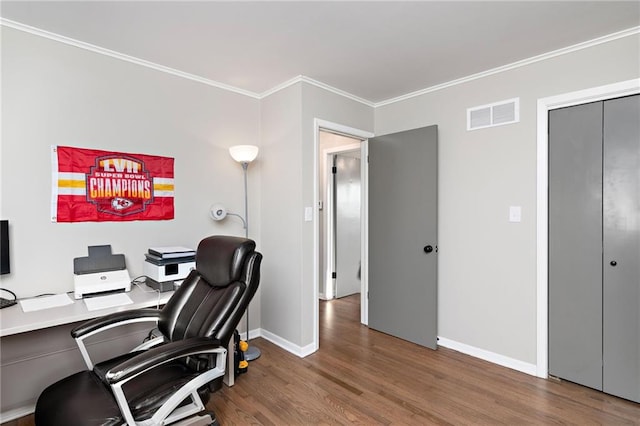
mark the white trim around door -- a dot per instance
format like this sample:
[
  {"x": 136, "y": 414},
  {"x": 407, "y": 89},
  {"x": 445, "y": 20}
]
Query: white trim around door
[
  {"x": 616, "y": 90},
  {"x": 319, "y": 124}
]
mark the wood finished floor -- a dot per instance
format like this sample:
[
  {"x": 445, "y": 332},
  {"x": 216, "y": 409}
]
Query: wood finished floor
[{"x": 360, "y": 376}]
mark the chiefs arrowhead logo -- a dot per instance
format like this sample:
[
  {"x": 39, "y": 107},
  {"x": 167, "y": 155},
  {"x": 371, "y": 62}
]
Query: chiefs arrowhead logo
[{"x": 121, "y": 203}]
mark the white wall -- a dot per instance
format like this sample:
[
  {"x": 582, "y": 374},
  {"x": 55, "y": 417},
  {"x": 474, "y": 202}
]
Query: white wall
[
  {"x": 56, "y": 94},
  {"x": 288, "y": 186},
  {"x": 487, "y": 266},
  {"x": 281, "y": 213}
]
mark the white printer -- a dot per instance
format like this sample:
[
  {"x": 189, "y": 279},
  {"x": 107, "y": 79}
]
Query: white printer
[
  {"x": 100, "y": 272},
  {"x": 166, "y": 267}
]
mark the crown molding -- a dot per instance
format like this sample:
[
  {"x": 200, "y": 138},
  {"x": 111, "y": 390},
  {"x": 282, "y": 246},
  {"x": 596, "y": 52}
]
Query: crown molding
[
  {"x": 332, "y": 89},
  {"x": 301, "y": 78},
  {"x": 324, "y": 86},
  {"x": 123, "y": 57},
  {"x": 532, "y": 60},
  {"x": 281, "y": 86}
]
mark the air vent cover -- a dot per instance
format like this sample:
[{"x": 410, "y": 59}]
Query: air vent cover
[{"x": 495, "y": 114}]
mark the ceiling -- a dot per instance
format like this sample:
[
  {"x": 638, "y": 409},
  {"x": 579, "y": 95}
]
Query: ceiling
[{"x": 375, "y": 51}]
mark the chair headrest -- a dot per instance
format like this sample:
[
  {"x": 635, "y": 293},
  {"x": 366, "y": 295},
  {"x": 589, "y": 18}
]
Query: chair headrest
[{"x": 220, "y": 258}]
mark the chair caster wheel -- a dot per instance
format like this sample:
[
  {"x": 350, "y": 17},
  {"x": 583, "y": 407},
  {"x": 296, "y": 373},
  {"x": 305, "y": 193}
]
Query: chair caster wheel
[{"x": 214, "y": 421}]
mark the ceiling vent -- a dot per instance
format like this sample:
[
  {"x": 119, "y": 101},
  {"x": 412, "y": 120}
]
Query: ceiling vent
[{"x": 495, "y": 114}]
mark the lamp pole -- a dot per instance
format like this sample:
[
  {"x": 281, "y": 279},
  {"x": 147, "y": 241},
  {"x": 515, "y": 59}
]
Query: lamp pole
[
  {"x": 244, "y": 154},
  {"x": 252, "y": 352},
  {"x": 245, "y": 166}
]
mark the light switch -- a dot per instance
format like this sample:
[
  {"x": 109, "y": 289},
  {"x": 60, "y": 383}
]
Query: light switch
[
  {"x": 308, "y": 214},
  {"x": 515, "y": 213}
]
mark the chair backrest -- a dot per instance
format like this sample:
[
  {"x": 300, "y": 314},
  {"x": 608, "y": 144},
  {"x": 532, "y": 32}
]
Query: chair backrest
[{"x": 211, "y": 300}]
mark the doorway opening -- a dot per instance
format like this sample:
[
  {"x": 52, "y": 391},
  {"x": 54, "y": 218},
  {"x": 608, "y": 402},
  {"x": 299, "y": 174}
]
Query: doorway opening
[
  {"x": 340, "y": 212},
  {"x": 341, "y": 206}
]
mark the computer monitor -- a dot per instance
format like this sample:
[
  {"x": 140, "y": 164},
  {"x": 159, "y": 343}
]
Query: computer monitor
[{"x": 4, "y": 247}]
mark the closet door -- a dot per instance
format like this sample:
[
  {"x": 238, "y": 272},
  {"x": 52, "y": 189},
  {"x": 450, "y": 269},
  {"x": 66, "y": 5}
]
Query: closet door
[
  {"x": 575, "y": 244},
  {"x": 621, "y": 237},
  {"x": 594, "y": 245}
]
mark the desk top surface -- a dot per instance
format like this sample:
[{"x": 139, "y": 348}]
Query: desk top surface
[{"x": 14, "y": 321}]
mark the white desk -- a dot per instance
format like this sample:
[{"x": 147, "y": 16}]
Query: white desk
[
  {"x": 37, "y": 348},
  {"x": 14, "y": 321}
]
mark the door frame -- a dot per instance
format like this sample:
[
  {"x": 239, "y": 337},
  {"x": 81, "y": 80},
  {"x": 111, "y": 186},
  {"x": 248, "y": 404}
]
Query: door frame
[
  {"x": 329, "y": 223},
  {"x": 364, "y": 135},
  {"x": 609, "y": 91}
]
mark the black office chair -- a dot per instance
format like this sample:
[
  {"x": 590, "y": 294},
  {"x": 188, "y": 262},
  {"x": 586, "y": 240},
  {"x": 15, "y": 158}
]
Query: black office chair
[{"x": 168, "y": 379}]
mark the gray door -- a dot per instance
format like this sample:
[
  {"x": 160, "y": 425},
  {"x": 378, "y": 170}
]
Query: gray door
[
  {"x": 621, "y": 209},
  {"x": 347, "y": 224},
  {"x": 403, "y": 170},
  {"x": 594, "y": 245},
  {"x": 575, "y": 244}
]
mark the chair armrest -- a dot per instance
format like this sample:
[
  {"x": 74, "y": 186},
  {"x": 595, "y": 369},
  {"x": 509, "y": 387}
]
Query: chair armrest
[
  {"x": 119, "y": 375},
  {"x": 160, "y": 355},
  {"x": 98, "y": 325},
  {"x": 145, "y": 314}
]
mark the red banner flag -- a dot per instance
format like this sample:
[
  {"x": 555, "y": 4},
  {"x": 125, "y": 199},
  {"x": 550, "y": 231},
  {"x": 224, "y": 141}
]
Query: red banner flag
[{"x": 89, "y": 185}]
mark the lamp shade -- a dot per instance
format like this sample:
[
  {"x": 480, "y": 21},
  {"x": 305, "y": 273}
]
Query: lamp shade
[{"x": 244, "y": 153}]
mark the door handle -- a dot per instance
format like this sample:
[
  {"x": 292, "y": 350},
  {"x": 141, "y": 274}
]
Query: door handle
[
  {"x": 613, "y": 263},
  {"x": 428, "y": 249}
]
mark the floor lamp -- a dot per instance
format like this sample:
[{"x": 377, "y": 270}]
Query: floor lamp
[{"x": 245, "y": 154}]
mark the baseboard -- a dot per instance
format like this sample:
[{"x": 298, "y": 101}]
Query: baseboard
[
  {"x": 301, "y": 351},
  {"x": 514, "y": 364},
  {"x": 493, "y": 357},
  {"x": 252, "y": 334},
  {"x": 16, "y": 413}
]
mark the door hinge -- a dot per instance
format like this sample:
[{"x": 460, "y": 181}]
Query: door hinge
[
  {"x": 333, "y": 275},
  {"x": 334, "y": 170}
]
